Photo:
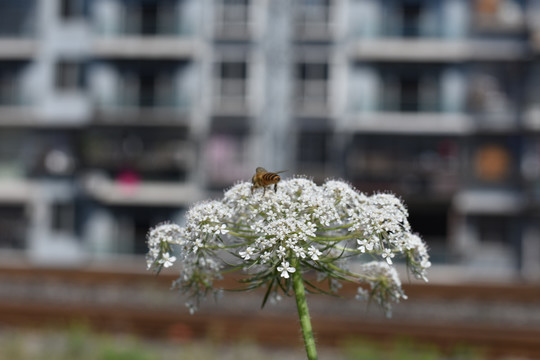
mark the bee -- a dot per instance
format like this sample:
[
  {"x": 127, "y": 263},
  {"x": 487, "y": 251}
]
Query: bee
[{"x": 263, "y": 178}]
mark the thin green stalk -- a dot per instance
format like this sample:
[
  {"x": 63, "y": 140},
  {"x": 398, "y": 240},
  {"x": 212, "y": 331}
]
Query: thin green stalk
[
  {"x": 234, "y": 233},
  {"x": 319, "y": 238},
  {"x": 344, "y": 226},
  {"x": 303, "y": 311}
]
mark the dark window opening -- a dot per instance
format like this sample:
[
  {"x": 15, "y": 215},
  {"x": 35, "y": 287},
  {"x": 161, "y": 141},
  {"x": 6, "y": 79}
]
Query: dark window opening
[
  {"x": 312, "y": 71},
  {"x": 7, "y": 89},
  {"x": 235, "y": 11},
  {"x": 70, "y": 9},
  {"x": 149, "y": 18},
  {"x": 233, "y": 78},
  {"x": 409, "y": 94},
  {"x": 233, "y": 70},
  {"x": 432, "y": 225},
  {"x": 147, "y": 92},
  {"x": 312, "y": 148},
  {"x": 62, "y": 216},
  {"x": 13, "y": 225},
  {"x": 312, "y": 83},
  {"x": 411, "y": 12},
  {"x": 69, "y": 75},
  {"x": 315, "y": 11}
]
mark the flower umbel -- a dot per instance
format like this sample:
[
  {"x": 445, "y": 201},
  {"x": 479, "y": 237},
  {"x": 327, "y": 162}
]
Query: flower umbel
[{"x": 328, "y": 230}]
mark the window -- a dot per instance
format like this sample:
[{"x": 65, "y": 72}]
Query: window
[
  {"x": 494, "y": 229},
  {"x": 235, "y": 11},
  {"x": 410, "y": 18},
  {"x": 409, "y": 93},
  {"x": 312, "y": 83},
  {"x": 149, "y": 18},
  {"x": 313, "y": 18},
  {"x": 233, "y": 18},
  {"x": 70, "y": 9},
  {"x": 13, "y": 222},
  {"x": 411, "y": 13},
  {"x": 69, "y": 75},
  {"x": 62, "y": 214},
  {"x": 147, "y": 90},
  {"x": 312, "y": 147},
  {"x": 132, "y": 224},
  {"x": 494, "y": 88},
  {"x": 156, "y": 89},
  {"x": 17, "y": 18},
  {"x": 416, "y": 165},
  {"x": 499, "y": 16},
  {"x": 410, "y": 87},
  {"x": 7, "y": 88},
  {"x": 148, "y": 84},
  {"x": 315, "y": 11},
  {"x": 232, "y": 78}
]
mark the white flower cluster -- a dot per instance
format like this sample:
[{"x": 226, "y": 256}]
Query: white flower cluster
[
  {"x": 300, "y": 227},
  {"x": 159, "y": 242},
  {"x": 380, "y": 275}
]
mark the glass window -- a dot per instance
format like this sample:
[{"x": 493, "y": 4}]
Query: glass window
[
  {"x": 411, "y": 14},
  {"x": 312, "y": 12},
  {"x": 70, "y": 9},
  {"x": 312, "y": 147},
  {"x": 312, "y": 83},
  {"x": 69, "y": 75},
  {"x": 13, "y": 223},
  {"x": 232, "y": 77},
  {"x": 232, "y": 18},
  {"x": 62, "y": 216},
  {"x": 17, "y": 18}
]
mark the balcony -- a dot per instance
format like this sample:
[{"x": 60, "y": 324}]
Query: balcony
[
  {"x": 433, "y": 98},
  {"x": 494, "y": 202},
  {"x": 145, "y": 30},
  {"x": 437, "y": 50},
  {"x": 143, "y": 92},
  {"x": 143, "y": 110},
  {"x": 17, "y": 29},
  {"x": 146, "y": 193},
  {"x": 413, "y": 166},
  {"x": 17, "y": 48},
  {"x": 140, "y": 47},
  {"x": 409, "y": 123},
  {"x": 16, "y": 108}
]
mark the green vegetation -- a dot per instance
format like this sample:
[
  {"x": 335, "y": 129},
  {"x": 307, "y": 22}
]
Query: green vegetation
[
  {"x": 405, "y": 349},
  {"x": 81, "y": 343}
]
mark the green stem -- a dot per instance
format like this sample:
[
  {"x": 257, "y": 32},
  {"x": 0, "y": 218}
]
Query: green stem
[
  {"x": 303, "y": 311},
  {"x": 344, "y": 226},
  {"x": 319, "y": 238},
  {"x": 245, "y": 236}
]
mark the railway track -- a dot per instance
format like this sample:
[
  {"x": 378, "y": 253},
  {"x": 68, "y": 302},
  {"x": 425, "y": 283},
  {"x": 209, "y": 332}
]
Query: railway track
[{"x": 500, "y": 319}]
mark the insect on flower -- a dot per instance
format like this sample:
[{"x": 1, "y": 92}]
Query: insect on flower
[{"x": 264, "y": 178}]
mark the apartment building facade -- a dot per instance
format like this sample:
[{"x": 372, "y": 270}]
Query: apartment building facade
[{"x": 117, "y": 114}]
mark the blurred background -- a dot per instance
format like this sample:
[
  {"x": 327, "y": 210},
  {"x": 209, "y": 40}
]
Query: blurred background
[{"x": 116, "y": 115}]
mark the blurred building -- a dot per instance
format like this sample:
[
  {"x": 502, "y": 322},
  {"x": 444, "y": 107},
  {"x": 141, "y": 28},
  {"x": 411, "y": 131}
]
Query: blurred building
[{"x": 117, "y": 114}]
